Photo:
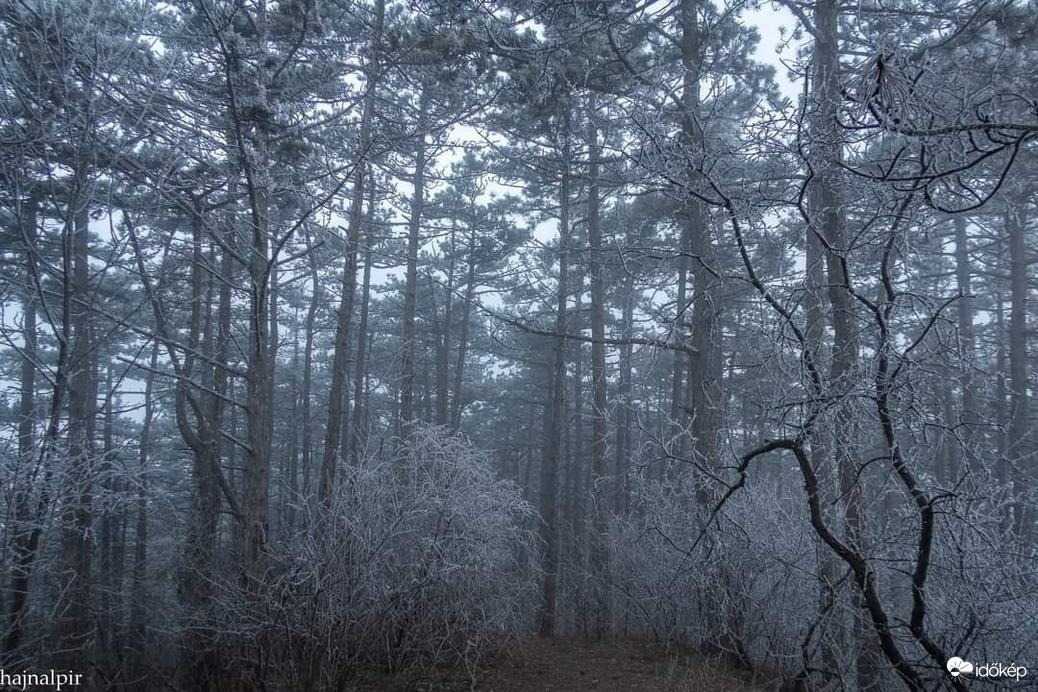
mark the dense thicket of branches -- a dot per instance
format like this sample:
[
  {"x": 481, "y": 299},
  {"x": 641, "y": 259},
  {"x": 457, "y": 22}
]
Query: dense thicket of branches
[{"x": 341, "y": 335}]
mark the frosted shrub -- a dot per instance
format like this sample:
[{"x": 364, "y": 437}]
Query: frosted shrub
[
  {"x": 748, "y": 589},
  {"x": 676, "y": 583},
  {"x": 420, "y": 559}
]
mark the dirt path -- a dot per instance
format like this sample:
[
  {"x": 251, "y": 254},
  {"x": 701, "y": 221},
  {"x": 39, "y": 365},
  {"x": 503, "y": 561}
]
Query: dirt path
[
  {"x": 561, "y": 665},
  {"x": 574, "y": 665}
]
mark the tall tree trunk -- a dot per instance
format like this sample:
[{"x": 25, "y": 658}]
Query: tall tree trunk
[
  {"x": 237, "y": 537},
  {"x": 26, "y": 531},
  {"x": 139, "y": 590},
  {"x": 425, "y": 367},
  {"x": 829, "y": 219},
  {"x": 254, "y": 148},
  {"x": 414, "y": 228},
  {"x": 257, "y": 370},
  {"x": 677, "y": 434},
  {"x": 1001, "y": 393},
  {"x": 554, "y": 410},
  {"x": 947, "y": 457},
  {"x": 290, "y": 488},
  {"x": 443, "y": 345},
  {"x": 200, "y": 542},
  {"x": 623, "y": 408},
  {"x": 358, "y": 439},
  {"x": 457, "y": 398},
  {"x": 599, "y": 428},
  {"x": 816, "y": 310},
  {"x": 582, "y": 470},
  {"x": 704, "y": 377},
  {"x": 108, "y": 533},
  {"x": 272, "y": 357},
  {"x": 221, "y": 383},
  {"x": 1019, "y": 442},
  {"x": 27, "y": 218},
  {"x": 340, "y": 360},
  {"x": 76, "y": 513},
  {"x": 316, "y": 297},
  {"x": 969, "y": 414}
]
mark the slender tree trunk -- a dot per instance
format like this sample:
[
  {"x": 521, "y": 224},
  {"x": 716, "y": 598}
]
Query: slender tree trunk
[
  {"x": 829, "y": 218},
  {"x": 554, "y": 410},
  {"x": 967, "y": 347},
  {"x": 25, "y": 534},
  {"x": 358, "y": 440},
  {"x": 221, "y": 383},
  {"x": 1019, "y": 448},
  {"x": 677, "y": 434},
  {"x": 139, "y": 592},
  {"x": 582, "y": 488},
  {"x": 443, "y": 345},
  {"x": 237, "y": 537},
  {"x": 290, "y": 489},
  {"x": 407, "y": 340},
  {"x": 272, "y": 390},
  {"x": 26, "y": 407},
  {"x": 200, "y": 542},
  {"x": 108, "y": 533},
  {"x": 316, "y": 297},
  {"x": 1001, "y": 392},
  {"x": 349, "y": 277},
  {"x": 948, "y": 470},
  {"x": 463, "y": 337},
  {"x": 623, "y": 409},
  {"x": 704, "y": 378},
  {"x": 600, "y": 431},
  {"x": 76, "y": 513},
  {"x": 257, "y": 396},
  {"x": 815, "y": 308}
]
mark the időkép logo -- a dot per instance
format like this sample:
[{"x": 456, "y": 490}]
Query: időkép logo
[{"x": 956, "y": 666}]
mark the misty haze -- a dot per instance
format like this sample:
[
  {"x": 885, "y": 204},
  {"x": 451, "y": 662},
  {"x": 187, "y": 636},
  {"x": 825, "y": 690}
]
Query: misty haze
[{"x": 509, "y": 346}]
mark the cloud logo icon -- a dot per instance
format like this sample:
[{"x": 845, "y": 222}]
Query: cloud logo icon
[{"x": 956, "y": 666}]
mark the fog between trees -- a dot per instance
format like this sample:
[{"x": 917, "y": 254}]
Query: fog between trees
[{"x": 342, "y": 337}]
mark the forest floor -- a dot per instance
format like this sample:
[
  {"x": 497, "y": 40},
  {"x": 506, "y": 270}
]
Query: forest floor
[{"x": 573, "y": 665}]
